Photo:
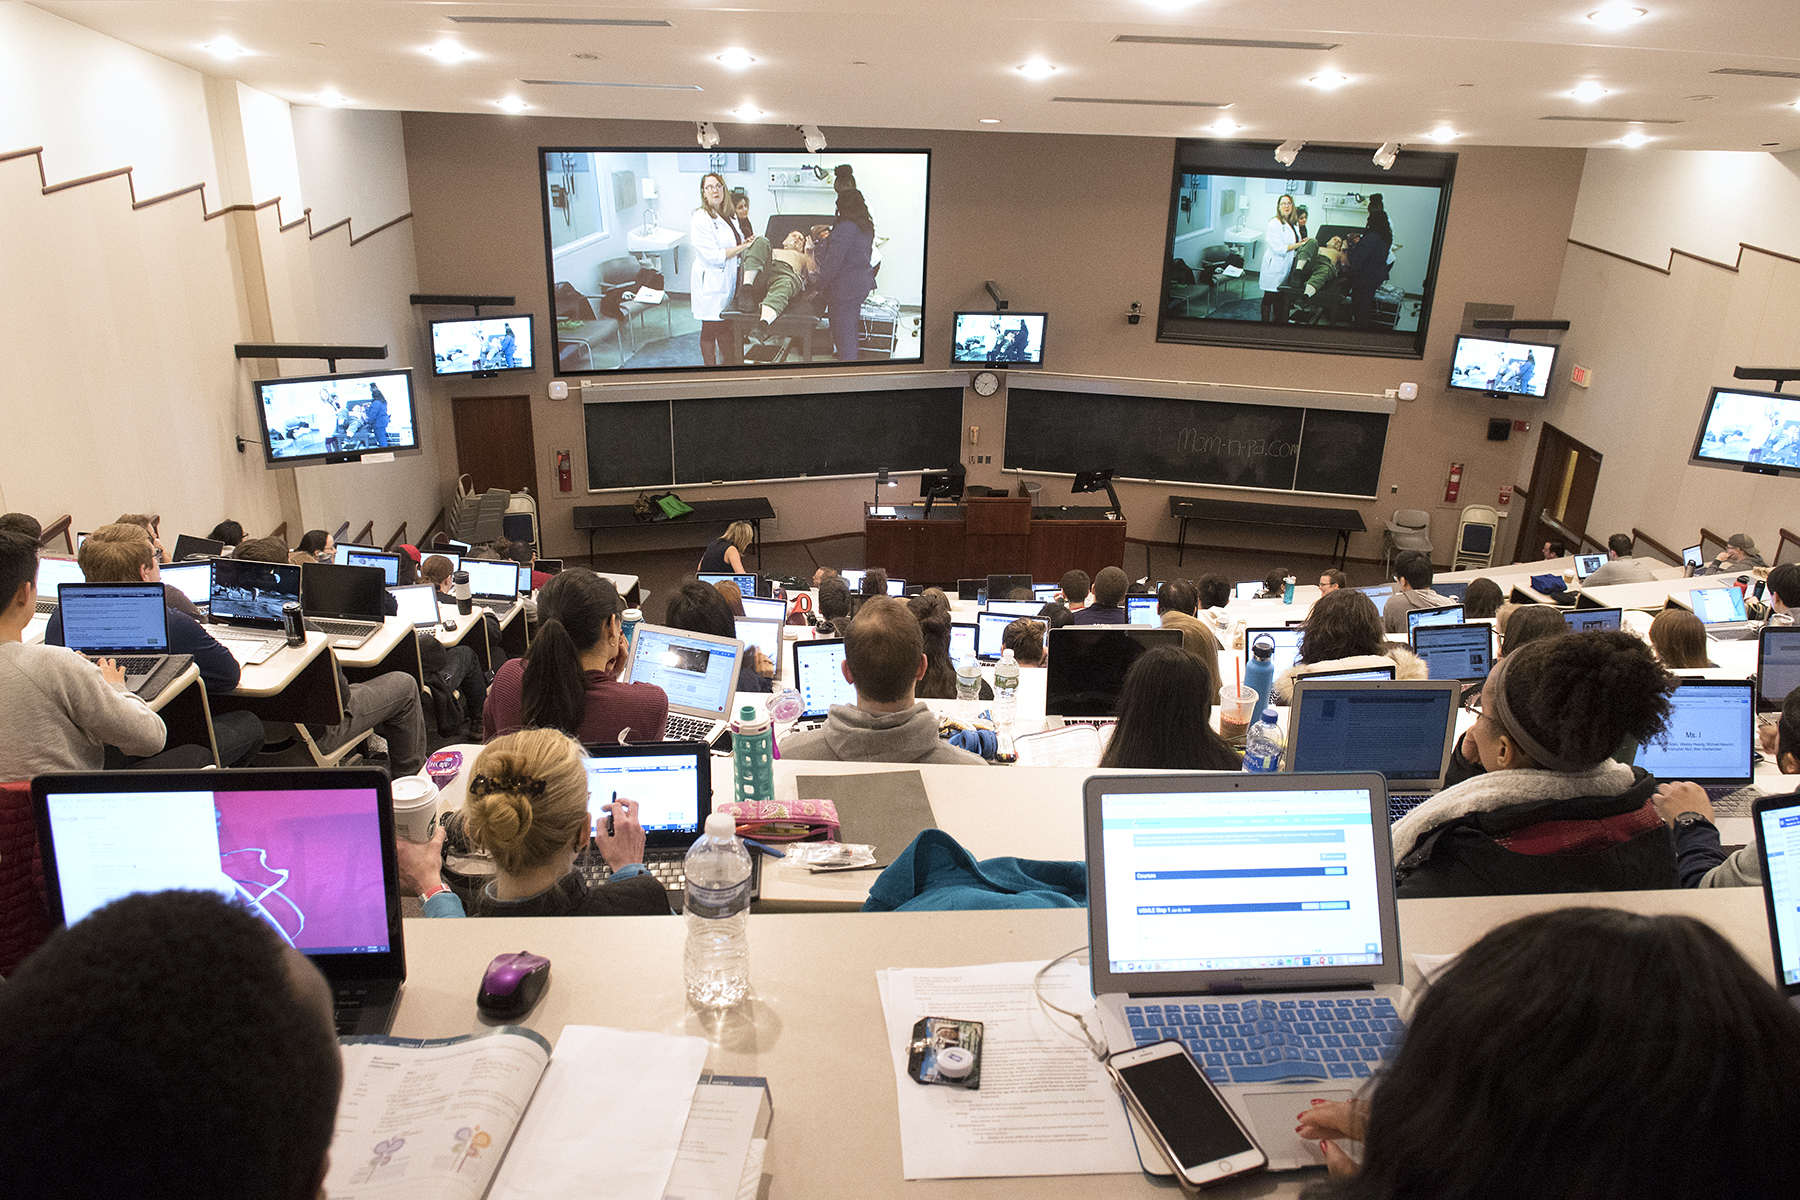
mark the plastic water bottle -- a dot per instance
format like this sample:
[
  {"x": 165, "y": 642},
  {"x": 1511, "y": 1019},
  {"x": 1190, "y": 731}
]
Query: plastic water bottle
[
  {"x": 1259, "y": 671},
  {"x": 717, "y": 963},
  {"x": 1262, "y": 747},
  {"x": 1006, "y": 689},
  {"x": 1287, "y": 590},
  {"x": 968, "y": 680},
  {"x": 752, "y": 757},
  {"x": 629, "y": 620}
]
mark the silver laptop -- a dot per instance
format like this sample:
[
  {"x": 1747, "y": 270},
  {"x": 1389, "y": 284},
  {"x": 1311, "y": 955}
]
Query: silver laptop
[
  {"x": 698, "y": 672},
  {"x": 1777, "y": 821},
  {"x": 1711, "y": 741},
  {"x": 1460, "y": 652},
  {"x": 1252, "y": 918},
  {"x": 763, "y": 608},
  {"x": 1405, "y": 729},
  {"x": 1448, "y": 614},
  {"x": 52, "y": 573},
  {"x": 1286, "y": 640},
  {"x": 417, "y": 604},
  {"x": 1013, "y": 609},
  {"x": 1721, "y": 609},
  {"x": 764, "y": 635},
  {"x": 1587, "y": 564},
  {"x": 493, "y": 585},
  {"x": 191, "y": 579},
  {"x": 1777, "y": 665},
  {"x": 128, "y": 623},
  {"x": 1141, "y": 610},
  {"x": 990, "y": 632},
  {"x": 1593, "y": 620},
  {"x": 819, "y": 678}
]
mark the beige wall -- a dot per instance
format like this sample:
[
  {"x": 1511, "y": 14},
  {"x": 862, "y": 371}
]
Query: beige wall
[{"x": 1070, "y": 224}]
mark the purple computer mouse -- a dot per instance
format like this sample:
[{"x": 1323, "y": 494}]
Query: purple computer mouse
[{"x": 512, "y": 984}]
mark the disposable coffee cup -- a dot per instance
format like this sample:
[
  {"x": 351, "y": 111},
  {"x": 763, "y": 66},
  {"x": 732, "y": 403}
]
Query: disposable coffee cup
[
  {"x": 1237, "y": 710},
  {"x": 415, "y": 808}
]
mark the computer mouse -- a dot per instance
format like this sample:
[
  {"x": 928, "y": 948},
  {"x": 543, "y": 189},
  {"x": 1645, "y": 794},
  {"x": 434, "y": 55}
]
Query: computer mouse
[{"x": 512, "y": 984}]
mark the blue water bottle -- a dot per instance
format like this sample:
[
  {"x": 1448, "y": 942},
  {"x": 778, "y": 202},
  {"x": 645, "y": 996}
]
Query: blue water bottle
[
  {"x": 1259, "y": 672},
  {"x": 752, "y": 757}
]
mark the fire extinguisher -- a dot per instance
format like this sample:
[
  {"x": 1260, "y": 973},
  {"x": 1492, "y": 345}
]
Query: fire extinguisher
[
  {"x": 1453, "y": 485},
  {"x": 565, "y": 479}
]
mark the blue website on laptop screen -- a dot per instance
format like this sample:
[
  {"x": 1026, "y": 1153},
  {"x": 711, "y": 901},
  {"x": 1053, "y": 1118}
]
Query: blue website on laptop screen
[
  {"x": 1711, "y": 735},
  {"x": 695, "y": 673},
  {"x": 1398, "y": 732},
  {"x": 1210, "y": 881},
  {"x": 990, "y": 630},
  {"x": 389, "y": 563},
  {"x": 99, "y": 617},
  {"x": 1713, "y": 605}
]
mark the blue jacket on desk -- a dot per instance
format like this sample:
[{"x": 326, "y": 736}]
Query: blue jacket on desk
[{"x": 218, "y": 668}]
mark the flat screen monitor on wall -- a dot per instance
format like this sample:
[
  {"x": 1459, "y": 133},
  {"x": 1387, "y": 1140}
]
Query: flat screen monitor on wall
[
  {"x": 998, "y": 339},
  {"x": 1757, "y": 432},
  {"x": 480, "y": 347},
  {"x": 336, "y": 418},
  {"x": 1299, "y": 257},
  {"x": 1501, "y": 367},
  {"x": 639, "y": 280}
]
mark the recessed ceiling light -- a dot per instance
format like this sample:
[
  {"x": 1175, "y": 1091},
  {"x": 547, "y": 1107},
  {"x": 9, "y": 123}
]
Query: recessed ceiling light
[
  {"x": 1443, "y": 133},
  {"x": 225, "y": 48},
  {"x": 1037, "y": 68},
  {"x": 1588, "y": 91},
  {"x": 748, "y": 112},
  {"x": 736, "y": 59},
  {"x": 990, "y": 120},
  {"x": 334, "y": 99},
  {"x": 1328, "y": 81},
  {"x": 1616, "y": 16},
  {"x": 1634, "y": 139},
  {"x": 449, "y": 52},
  {"x": 1223, "y": 127},
  {"x": 512, "y": 104}
]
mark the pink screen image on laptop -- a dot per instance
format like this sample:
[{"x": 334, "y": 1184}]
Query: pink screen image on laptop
[{"x": 309, "y": 862}]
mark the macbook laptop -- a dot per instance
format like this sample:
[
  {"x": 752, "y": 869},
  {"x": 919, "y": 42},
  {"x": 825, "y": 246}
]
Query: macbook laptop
[
  {"x": 962, "y": 640},
  {"x": 188, "y": 546},
  {"x": 343, "y": 603},
  {"x": 1711, "y": 741},
  {"x": 764, "y": 609},
  {"x": 698, "y": 672},
  {"x": 1014, "y": 608},
  {"x": 52, "y": 573},
  {"x": 1355, "y": 673},
  {"x": 1449, "y": 614},
  {"x": 1460, "y": 652},
  {"x": 126, "y": 622},
  {"x": 1720, "y": 608},
  {"x": 191, "y": 579},
  {"x": 1002, "y": 587},
  {"x": 417, "y": 604},
  {"x": 493, "y": 585},
  {"x": 852, "y": 579},
  {"x": 359, "y": 556},
  {"x": 1087, "y": 665},
  {"x": 764, "y": 635},
  {"x": 1141, "y": 610},
  {"x": 896, "y": 587},
  {"x": 1691, "y": 556},
  {"x": 746, "y": 584},
  {"x": 548, "y": 566},
  {"x": 819, "y": 678},
  {"x": 1593, "y": 620},
  {"x": 311, "y": 852},
  {"x": 1379, "y": 593},
  {"x": 1587, "y": 564},
  {"x": 249, "y": 595},
  {"x": 1456, "y": 591},
  {"x": 672, "y": 784},
  {"x": 454, "y": 558},
  {"x": 1404, "y": 730},
  {"x": 1777, "y": 665},
  {"x": 1248, "y": 590},
  {"x": 1777, "y": 821},
  {"x": 974, "y": 589},
  {"x": 1287, "y": 644},
  {"x": 990, "y": 631},
  {"x": 1043, "y": 593},
  {"x": 1251, "y": 917}
]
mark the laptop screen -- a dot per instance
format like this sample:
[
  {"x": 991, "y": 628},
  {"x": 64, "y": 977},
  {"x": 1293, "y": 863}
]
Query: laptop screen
[
  {"x": 1587, "y": 564},
  {"x": 1464, "y": 652},
  {"x": 746, "y": 584},
  {"x": 1711, "y": 737},
  {"x": 52, "y": 573},
  {"x": 852, "y": 579},
  {"x": 1366, "y": 673},
  {"x": 193, "y": 580},
  {"x": 697, "y": 673},
  {"x": 1690, "y": 555},
  {"x": 188, "y": 546},
  {"x": 764, "y": 609},
  {"x": 417, "y": 603},
  {"x": 1450, "y": 614},
  {"x": 1778, "y": 837},
  {"x": 1287, "y": 644},
  {"x": 764, "y": 635},
  {"x": 1248, "y": 590},
  {"x": 819, "y": 677},
  {"x": 1043, "y": 593},
  {"x": 962, "y": 640},
  {"x": 243, "y": 590},
  {"x": 492, "y": 580},
  {"x": 1379, "y": 593},
  {"x": 896, "y": 587},
  {"x": 1777, "y": 664},
  {"x": 1402, "y": 730},
  {"x": 329, "y": 590},
  {"x": 1141, "y": 610},
  {"x": 1713, "y": 605},
  {"x": 672, "y": 784},
  {"x": 1456, "y": 591},
  {"x": 990, "y": 629},
  {"x": 356, "y": 556},
  {"x": 1014, "y": 608},
  {"x": 1087, "y": 665},
  {"x": 1592, "y": 620},
  {"x": 102, "y": 618},
  {"x": 454, "y": 559}
]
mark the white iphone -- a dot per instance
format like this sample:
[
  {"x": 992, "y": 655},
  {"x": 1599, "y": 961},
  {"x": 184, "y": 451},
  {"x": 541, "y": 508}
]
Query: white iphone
[{"x": 1193, "y": 1126}]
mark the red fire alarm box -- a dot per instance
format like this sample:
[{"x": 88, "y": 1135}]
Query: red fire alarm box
[
  {"x": 1453, "y": 485},
  {"x": 565, "y": 480},
  {"x": 1505, "y": 496}
]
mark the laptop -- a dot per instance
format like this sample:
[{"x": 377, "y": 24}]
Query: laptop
[
  {"x": 1720, "y": 608},
  {"x": 1247, "y": 591},
  {"x": 1251, "y": 917},
  {"x": 672, "y": 784},
  {"x": 896, "y": 587},
  {"x": 191, "y": 579},
  {"x": 974, "y": 589},
  {"x": 1002, "y": 587},
  {"x": 1587, "y": 564},
  {"x": 454, "y": 559},
  {"x": 417, "y": 604},
  {"x": 962, "y": 640},
  {"x": 762, "y": 608},
  {"x": 1777, "y": 821},
  {"x": 1593, "y": 620},
  {"x": 1014, "y": 608},
  {"x": 1777, "y": 665},
  {"x": 1455, "y": 591},
  {"x": 990, "y": 630},
  {"x": 358, "y": 556},
  {"x": 697, "y": 671},
  {"x": 1355, "y": 673},
  {"x": 746, "y": 584},
  {"x": 126, "y": 622},
  {"x": 249, "y": 595},
  {"x": 188, "y": 546},
  {"x": 493, "y": 584},
  {"x": 548, "y": 566},
  {"x": 309, "y": 851},
  {"x": 819, "y": 678},
  {"x": 1404, "y": 729},
  {"x": 1087, "y": 665},
  {"x": 1287, "y": 644},
  {"x": 1043, "y": 593},
  {"x": 343, "y": 603},
  {"x": 52, "y": 573},
  {"x": 1691, "y": 556},
  {"x": 1461, "y": 652},
  {"x": 1141, "y": 610},
  {"x": 1711, "y": 741},
  {"x": 852, "y": 579},
  {"x": 762, "y": 634},
  {"x": 1449, "y": 614},
  {"x": 1379, "y": 593}
]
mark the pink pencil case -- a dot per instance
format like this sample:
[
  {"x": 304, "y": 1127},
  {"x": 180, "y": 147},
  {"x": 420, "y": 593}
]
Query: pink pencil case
[{"x": 784, "y": 820}]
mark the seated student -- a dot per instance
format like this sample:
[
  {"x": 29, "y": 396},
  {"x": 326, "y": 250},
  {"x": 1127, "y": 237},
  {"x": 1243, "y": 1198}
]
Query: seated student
[
  {"x": 525, "y": 554},
  {"x": 1165, "y": 717},
  {"x": 1215, "y": 594},
  {"x": 1177, "y": 602},
  {"x": 316, "y": 546},
  {"x": 229, "y": 532},
  {"x": 1330, "y": 581},
  {"x": 136, "y": 531},
  {"x": 1274, "y": 584},
  {"x": 168, "y": 1044},
  {"x": 1074, "y": 590},
  {"x": 527, "y": 807},
  {"x": 821, "y": 574},
  {"x": 1555, "y": 548},
  {"x": 1107, "y": 607},
  {"x": 1412, "y": 590},
  {"x": 1784, "y": 593},
  {"x": 834, "y": 606},
  {"x": 569, "y": 678},
  {"x": 1511, "y": 1078},
  {"x": 875, "y": 582},
  {"x": 1700, "y": 857},
  {"x": 1482, "y": 599},
  {"x": 697, "y": 608},
  {"x": 1679, "y": 639},
  {"x": 1523, "y": 624},
  {"x": 1552, "y": 811},
  {"x": 724, "y": 554},
  {"x": 151, "y": 524},
  {"x": 1620, "y": 567},
  {"x": 1343, "y": 633},
  {"x": 734, "y": 600},
  {"x": 1025, "y": 638},
  {"x": 932, "y": 608},
  {"x": 22, "y": 523},
  {"x": 123, "y": 554},
  {"x": 734, "y": 597},
  {"x": 1738, "y": 557},
  {"x": 388, "y": 704},
  {"x": 884, "y": 657}
]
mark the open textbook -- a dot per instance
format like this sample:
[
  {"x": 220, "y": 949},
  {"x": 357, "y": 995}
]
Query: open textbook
[{"x": 626, "y": 1116}]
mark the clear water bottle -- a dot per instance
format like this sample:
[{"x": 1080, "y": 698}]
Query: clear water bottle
[
  {"x": 1262, "y": 747},
  {"x": 1006, "y": 689},
  {"x": 968, "y": 680},
  {"x": 717, "y": 963},
  {"x": 752, "y": 757}
]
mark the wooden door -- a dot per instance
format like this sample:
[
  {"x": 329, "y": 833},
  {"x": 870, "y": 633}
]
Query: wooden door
[
  {"x": 494, "y": 447},
  {"x": 1564, "y": 478}
]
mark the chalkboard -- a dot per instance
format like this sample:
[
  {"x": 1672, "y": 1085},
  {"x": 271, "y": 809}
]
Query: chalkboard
[
  {"x": 1225, "y": 444},
  {"x": 656, "y": 443}
]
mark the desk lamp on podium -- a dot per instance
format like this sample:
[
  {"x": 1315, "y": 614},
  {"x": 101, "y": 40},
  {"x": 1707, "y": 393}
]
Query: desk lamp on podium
[{"x": 1094, "y": 481}]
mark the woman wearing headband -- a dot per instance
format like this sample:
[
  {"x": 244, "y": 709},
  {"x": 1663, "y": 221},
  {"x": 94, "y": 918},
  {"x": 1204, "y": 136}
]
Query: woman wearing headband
[
  {"x": 1552, "y": 810},
  {"x": 527, "y": 807}
]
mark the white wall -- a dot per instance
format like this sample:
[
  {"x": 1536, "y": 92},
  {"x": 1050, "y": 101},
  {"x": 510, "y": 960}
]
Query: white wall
[
  {"x": 352, "y": 162},
  {"x": 1644, "y": 203}
]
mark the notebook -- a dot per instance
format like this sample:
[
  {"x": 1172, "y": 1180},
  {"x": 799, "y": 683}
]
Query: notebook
[
  {"x": 193, "y": 580},
  {"x": 1086, "y": 669},
  {"x": 1461, "y": 652},
  {"x": 1217, "y": 902},
  {"x": 1777, "y": 821},
  {"x": 1587, "y": 564},
  {"x": 746, "y": 584},
  {"x": 493, "y": 585},
  {"x": 1403, "y": 729},
  {"x": 126, "y": 622},
  {"x": 1002, "y": 587},
  {"x": 417, "y": 603},
  {"x": 1449, "y": 614},
  {"x": 52, "y": 573},
  {"x": 974, "y": 589},
  {"x": 962, "y": 640},
  {"x": 1287, "y": 644},
  {"x": 1720, "y": 608},
  {"x": 672, "y": 784},
  {"x": 1711, "y": 741},
  {"x": 765, "y": 609},
  {"x": 1141, "y": 610},
  {"x": 188, "y": 546},
  {"x": 1043, "y": 593},
  {"x": 1248, "y": 590},
  {"x": 250, "y": 594},
  {"x": 309, "y": 851},
  {"x": 343, "y": 603},
  {"x": 764, "y": 635},
  {"x": 698, "y": 672},
  {"x": 1593, "y": 620},
  {"x": 1777, "y": 665},
  {"x": 896, "y": 587},
  {"x": 990, "y": 631},
  {"x": 819, "y": 678},
  {"x": 852, "y": 579},
  {"x": 359, "y": 556}
]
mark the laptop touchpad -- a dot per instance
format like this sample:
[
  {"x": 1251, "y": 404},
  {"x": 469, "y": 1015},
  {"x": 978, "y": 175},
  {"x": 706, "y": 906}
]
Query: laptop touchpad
[{"x": 1271, "y": 1116}]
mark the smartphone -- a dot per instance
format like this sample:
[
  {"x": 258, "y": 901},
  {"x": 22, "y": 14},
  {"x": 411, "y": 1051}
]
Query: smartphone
[{"x": 1192, "y": 1125}]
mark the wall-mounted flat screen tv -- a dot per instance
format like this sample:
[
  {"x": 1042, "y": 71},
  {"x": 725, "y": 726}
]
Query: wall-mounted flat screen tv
[
  {"x": 669, "y": 260},
  {"x": 336, "y": 418},
  {"x": 480, "y": 347},
  {"x": 1749, "y": 431},
  {"x": 998, "y": 339},
  {"x": 1331, "y": 254},
  {"x": 1501, "y": 367}
]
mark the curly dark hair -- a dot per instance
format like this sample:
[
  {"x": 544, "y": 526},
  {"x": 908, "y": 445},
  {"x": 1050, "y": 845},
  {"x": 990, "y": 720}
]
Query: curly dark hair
[
  {"x": 1343, "y": 624},
  {"x": 1482, "y": 599},
  {"x": 1584, "y": 695}
]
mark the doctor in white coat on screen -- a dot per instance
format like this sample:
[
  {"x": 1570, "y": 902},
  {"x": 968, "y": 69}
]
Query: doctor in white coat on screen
[
  {"x": 716, "y": 244},
  {"x": 1280, "y": 241}
]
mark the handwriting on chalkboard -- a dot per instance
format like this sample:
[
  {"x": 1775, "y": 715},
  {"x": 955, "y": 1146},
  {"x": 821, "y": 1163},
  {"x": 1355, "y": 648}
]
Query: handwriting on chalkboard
[{"x": 1194, "y": 441}]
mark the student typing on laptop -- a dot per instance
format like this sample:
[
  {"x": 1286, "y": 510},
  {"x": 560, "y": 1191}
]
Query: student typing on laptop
[
  {"x": 884, "y": 657},
  {"x": 1343, "y": 632},
  {"x": 527, "y": 807},
  {"x": 1412, "y": 590}
]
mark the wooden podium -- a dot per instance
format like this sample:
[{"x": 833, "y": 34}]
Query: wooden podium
[{"x": 998, "y": 535}]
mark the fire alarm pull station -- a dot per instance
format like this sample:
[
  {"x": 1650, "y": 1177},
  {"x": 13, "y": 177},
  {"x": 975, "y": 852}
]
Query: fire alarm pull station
[
  {"x": 1505, "y": 496},
  {"x": 565, "y": 480},
  {"x": 1453, "y": 485}
]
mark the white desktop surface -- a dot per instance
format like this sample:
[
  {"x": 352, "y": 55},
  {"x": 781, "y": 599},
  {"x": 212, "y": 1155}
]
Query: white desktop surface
[
  {"x": 273, "y": 674},
  {"x": 393, "y": 631}
]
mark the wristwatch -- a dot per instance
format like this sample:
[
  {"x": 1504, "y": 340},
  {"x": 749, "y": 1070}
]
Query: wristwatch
[{"x": 1690, "y": 817}]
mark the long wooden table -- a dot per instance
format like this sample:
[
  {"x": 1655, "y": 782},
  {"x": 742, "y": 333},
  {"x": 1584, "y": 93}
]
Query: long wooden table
[
  {"x": 1342, "y": 522},
  {"x": 754, "y": 509}
]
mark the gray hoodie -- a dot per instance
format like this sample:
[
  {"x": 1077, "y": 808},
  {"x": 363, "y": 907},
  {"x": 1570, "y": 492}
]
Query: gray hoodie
[{"x": 852, "y": 735}]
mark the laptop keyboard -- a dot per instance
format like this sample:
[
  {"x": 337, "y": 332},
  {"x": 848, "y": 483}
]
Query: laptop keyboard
[
  {"x": 1729, "y": 801},
  {"x": 683, "y": 728},
  {"x": 342, "y": 628},
  {"x": 669, "y": 869},
  {"x": 347, "y": 1003},
  {"x": 498, "y": 607},
  {"x": 1262, "y": 1041},
  {"x": 46, "y": 608},
  {"x": 1399, "y": 806}
]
